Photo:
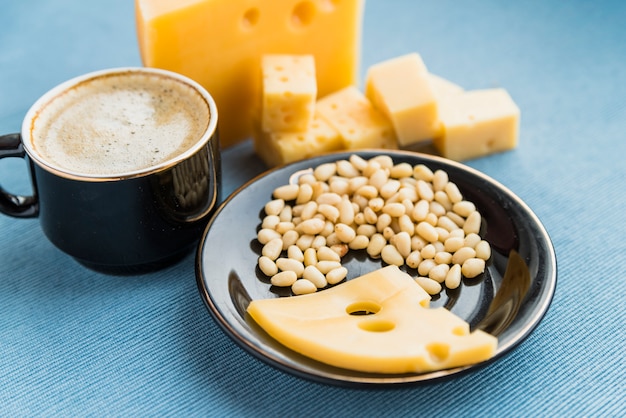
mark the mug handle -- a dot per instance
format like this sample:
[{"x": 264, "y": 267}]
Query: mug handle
[{"x": 10, "y": 204}]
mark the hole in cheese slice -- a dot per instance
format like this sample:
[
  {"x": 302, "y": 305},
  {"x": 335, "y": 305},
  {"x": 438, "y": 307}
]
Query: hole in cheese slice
[{"x": 401, "y": 335}]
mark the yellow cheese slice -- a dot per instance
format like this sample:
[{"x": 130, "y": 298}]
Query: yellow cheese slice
[
  {"x": 289, "y": 92},
  {"x": 477, "y": 123},
  {"x": 276, "y": 148},
  {"x": 400, "y": 88},
  {"x": 401, "y": 335},
  {"x": 358, "y": 122},
  {"x": 219, "y": 43}
]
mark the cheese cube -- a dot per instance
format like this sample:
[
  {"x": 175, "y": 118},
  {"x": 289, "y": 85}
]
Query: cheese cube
[
  {"x": 219, "y": 43},
  {"x": 358, "y": 122},
  {"x": 277, "y": 148},
  {"x": 289, "y": 92},
  {"x": 477, "y": 123},
  {"x": 401, "y": 89},
  {"x": 443, "y": 88},
  {"x": 401, "y": 334}
]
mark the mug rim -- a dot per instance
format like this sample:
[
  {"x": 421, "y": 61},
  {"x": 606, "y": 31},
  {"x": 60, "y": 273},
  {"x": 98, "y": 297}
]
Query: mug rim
[{"x": 209, "y": 132}]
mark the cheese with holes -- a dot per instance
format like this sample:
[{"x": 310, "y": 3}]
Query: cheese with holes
[
  {"x": 219, "y": 43},
  {"x": 358, "y": 122},
  {"x": 400, "y": 333},
  {"x": 400, "y": 88},
  {"x": 289, "y": 92},
  {"x": 276, "y": 148},
  {"x": 477, "y": 123}
]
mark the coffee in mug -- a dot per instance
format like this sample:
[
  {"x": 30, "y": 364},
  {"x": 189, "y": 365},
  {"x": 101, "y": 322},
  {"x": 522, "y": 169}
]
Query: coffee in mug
[
  {"x": 118, "y": 124},
  {"x": 125, "y": 167}
]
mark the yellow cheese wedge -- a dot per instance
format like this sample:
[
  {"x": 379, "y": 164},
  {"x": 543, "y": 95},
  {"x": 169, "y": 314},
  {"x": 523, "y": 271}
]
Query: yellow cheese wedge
[
  {"x": 289, "y": 92},
  {"x": 219, "y": 43},
  {"x": 477, "y": 123},
  {"x": 276, "y": 148},
  {"x": 401, "y": 89},
  {"x": 401, "y": 335},
  {"x": 358, "y": 122}
]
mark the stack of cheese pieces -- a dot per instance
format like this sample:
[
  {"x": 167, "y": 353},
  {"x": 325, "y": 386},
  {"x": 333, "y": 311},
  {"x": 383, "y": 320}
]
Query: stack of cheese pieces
[
  {"x": 403, "y": 105},
  {"x": 295, "y": 125}
]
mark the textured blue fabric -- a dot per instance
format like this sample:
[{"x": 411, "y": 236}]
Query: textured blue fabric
[{"x": 78, "y": 343}]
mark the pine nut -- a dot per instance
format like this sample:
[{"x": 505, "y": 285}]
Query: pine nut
[
  {"x": 330, "y": 212},
  {"x": 312, "y": 274},
  {"x": 325, "y": 171},
  {"x": 346, "y": 169},
  {"x": 327, "y": 254},
  {"x": 310, "y": 257},
  {"x": 375, "y": 247},
  {"x": 359, "y": 242},
  {"x": 422, "y": 172},
  {"x": 273, "y": 207},
  {"x": 453, "y": 278},
  {"x": 472, "y": 223},
  {"x": 429, "y": 285},
  {"x": 273, "y": 248},
  {"x": 463, "y": 208},
  {"x": 336, "y": 275},
  {"x": 305, "y": 194},
  {"x": 287, "y": 192},
  {"x": 438, "y": 273},
  {"x": 401, "y": 170},
  {"x": 303, "y": 287},
  {"x": 267, "y": 266},
  {"x": 270, "y": 221},
  {"x": 287, "y": 264},
  {"x": 472, "y": 267},
  {"x": 463, "y": 254},
  {"x": 265, "y": 235},
  {"x": 390, "y": 255},
  {"x": 295, "y": 253},
  {"x": 483, "y": 250},
  {"x": 344, "y": 232},
  {"x": 326, "y": 265},
  {"x": 427, "y": 231},
  {"x": 284, "y": 278}
]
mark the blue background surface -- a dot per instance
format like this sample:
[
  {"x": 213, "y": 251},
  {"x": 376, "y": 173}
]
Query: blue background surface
[{"x": 78, "y": 343}]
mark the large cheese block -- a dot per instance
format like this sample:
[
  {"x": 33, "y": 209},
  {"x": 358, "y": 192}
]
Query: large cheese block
[
  {"x": 358, "y": 122},
  {"x": 477, "y": 123},
  {"x": 219, "y": 43},
  {"x": 400, "y": 88},
  {"x": 289, "y": 92},
  {"x": 276, "y": 148},
  {"x": 379, "y": 323}
]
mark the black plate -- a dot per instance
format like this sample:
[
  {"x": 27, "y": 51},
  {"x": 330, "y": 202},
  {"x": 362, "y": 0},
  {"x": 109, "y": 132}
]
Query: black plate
[{"x": 508, "y": 300}]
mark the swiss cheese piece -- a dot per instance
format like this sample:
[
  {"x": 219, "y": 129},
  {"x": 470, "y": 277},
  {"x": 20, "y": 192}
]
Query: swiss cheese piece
[
  {"x": 289, "y": 92},
  {"x": 358, "y": 122},
  {"x": 401, "y": 89},
  {"x": 477, "y": 123},
  {"x": 401, "y": 335},
  {"x": 219, "y": 43},
  {"x": 443, "y": 88},
  {"x": 276, "y": 148}
]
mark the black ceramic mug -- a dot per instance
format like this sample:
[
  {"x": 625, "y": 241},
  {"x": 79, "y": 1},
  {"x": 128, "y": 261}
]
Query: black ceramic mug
[{"x": 125, "y": 167}]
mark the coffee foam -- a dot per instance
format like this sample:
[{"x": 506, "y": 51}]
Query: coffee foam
[{"x": 120, "y": 123}]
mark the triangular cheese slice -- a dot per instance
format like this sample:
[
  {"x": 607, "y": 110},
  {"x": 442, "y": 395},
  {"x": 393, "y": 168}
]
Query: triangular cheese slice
[{"x": 399, "y": 333}]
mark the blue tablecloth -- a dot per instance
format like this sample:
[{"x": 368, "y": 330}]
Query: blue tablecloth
[{"x": 77, "y": 343}]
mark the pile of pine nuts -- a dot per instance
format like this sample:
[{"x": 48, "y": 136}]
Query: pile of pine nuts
[{"x": 402, "y": 214}]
